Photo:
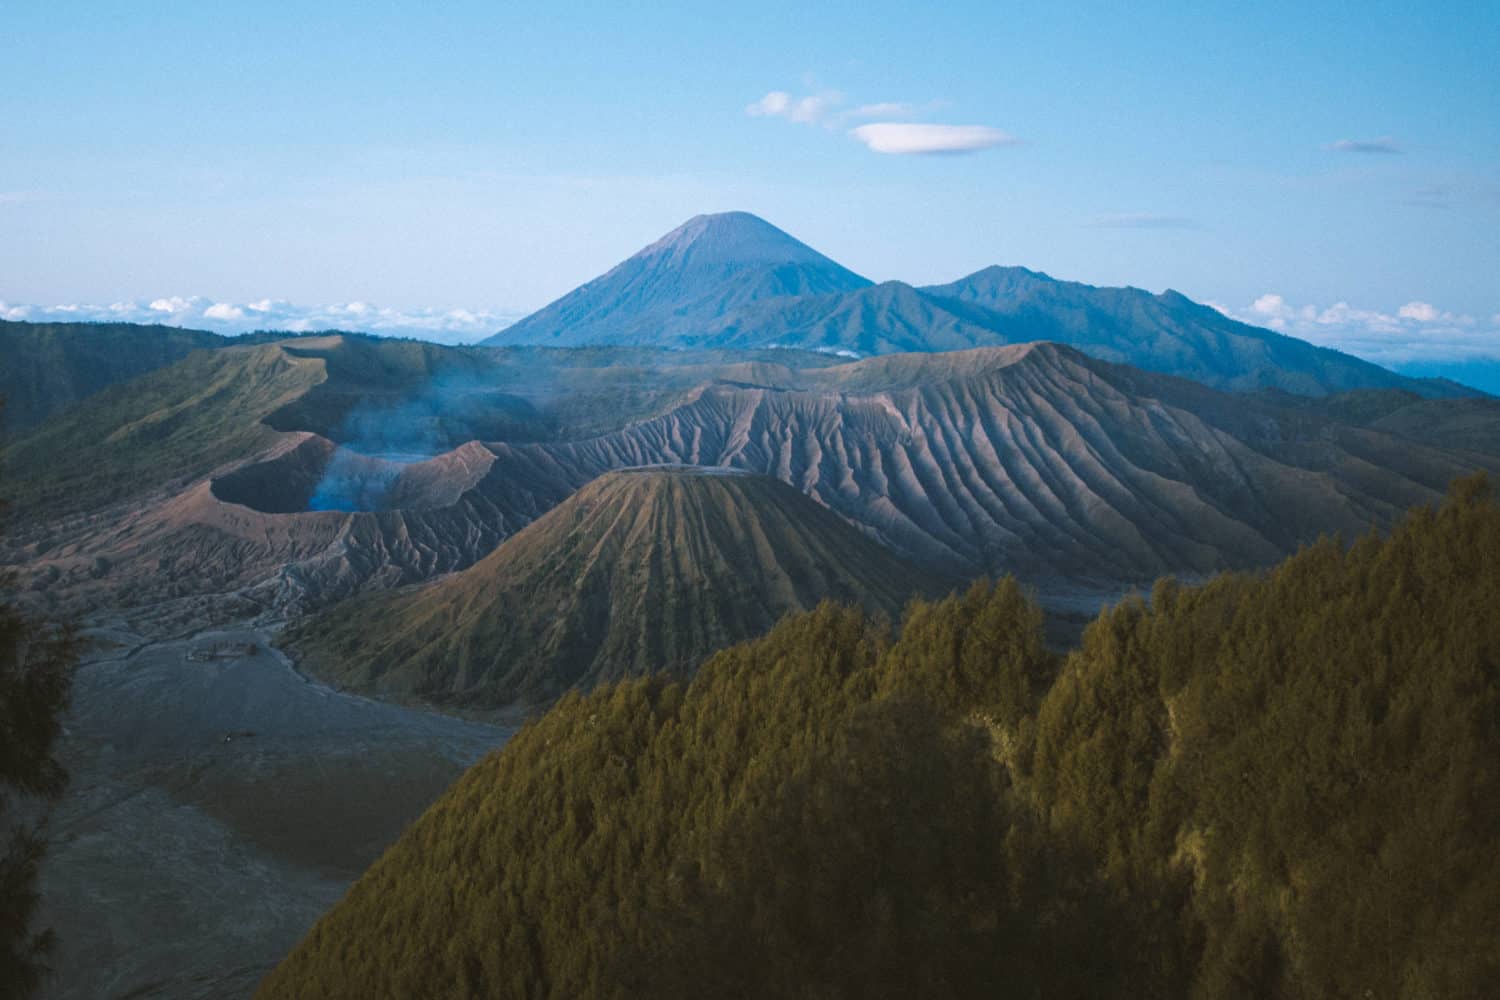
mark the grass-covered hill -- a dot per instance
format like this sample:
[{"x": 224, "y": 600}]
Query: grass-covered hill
[
  {"x": 51, "y": 366},
  {"x": 1281, "y": 784},
  {"x": 170, "y": 425},
  {"x": 641, "y": 570}
]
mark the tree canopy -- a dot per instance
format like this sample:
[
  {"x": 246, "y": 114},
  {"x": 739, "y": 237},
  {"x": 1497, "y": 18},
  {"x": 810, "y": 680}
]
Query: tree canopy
[{"x": 1275, "y": 784}]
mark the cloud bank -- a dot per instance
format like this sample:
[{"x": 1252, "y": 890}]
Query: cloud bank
[
  {"x": 1417, "y": 331},
  {"x": 449, "y": 326}
]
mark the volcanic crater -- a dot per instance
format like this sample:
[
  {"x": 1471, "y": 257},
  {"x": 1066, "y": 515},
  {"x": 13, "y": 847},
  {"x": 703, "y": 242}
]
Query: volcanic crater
[{"x": 319, "y": 475}]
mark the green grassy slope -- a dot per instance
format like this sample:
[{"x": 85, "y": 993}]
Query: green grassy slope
[
  {"x": 641, "y": 570},
  {"x": 50, "y": 367},
  {"x": 170, "y": 425}
]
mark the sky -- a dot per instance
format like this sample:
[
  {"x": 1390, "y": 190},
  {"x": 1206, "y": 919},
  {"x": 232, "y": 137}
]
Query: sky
[{"x": 1332, "y": 171}]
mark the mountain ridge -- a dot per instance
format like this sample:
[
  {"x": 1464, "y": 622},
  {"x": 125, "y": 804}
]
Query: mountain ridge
[{"x": 666, "y": 296}]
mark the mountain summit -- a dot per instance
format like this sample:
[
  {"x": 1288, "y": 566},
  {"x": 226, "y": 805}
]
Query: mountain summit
[
  {"x": 735, "y": 238},
  {"x": 684, "y": 284}
]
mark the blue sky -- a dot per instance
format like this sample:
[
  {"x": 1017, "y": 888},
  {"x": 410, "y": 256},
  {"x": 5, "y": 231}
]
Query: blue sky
[{"x": 1335, "y": 165}]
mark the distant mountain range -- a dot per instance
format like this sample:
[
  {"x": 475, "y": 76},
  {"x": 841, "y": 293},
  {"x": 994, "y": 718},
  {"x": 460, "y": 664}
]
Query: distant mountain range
[
  {"x": 1478, "y": 373},
  {"x": 735, "y": 280}
]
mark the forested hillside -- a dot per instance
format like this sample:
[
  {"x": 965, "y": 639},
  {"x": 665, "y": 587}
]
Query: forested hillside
[{"x": 1280, "y": 784}]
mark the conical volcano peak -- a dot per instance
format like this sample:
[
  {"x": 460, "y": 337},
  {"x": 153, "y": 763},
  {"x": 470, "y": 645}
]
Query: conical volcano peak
[
  {"x": 684, "y": 287},
  {"x": 734, "y": 237}
]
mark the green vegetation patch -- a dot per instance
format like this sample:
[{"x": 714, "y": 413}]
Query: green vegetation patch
[
  {"x": 173, "y": 424},
  {"x": 1281, "y": 784}
]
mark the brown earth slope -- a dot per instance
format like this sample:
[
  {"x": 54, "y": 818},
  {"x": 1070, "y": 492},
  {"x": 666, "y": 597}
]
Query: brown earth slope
[{"x": 641, "y": 570}]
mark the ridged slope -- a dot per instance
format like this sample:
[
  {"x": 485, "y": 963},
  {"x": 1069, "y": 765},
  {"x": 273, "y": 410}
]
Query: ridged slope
[
  {"x": 1034, "y": 459},
  {"x": 641, "y": 570}
]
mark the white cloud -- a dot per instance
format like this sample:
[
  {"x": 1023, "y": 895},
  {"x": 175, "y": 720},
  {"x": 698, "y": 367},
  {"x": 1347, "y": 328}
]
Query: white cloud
[
  {"x": 814, "y": 108},
  {"x": 1269, "y": 304},
  {"x": 223, "y": 311},
  {"x": 774, "y": 103},
  {"x": 443, "y": 324},
  {"x": 808, "y": 110},
  {"x": 1384, "y": 144},
  {"x": 913, "y": 137},
  {"x": 1417, "y": 331},
  {"x": 1422, "y": 312},
  {"x": 885, "y": 109},
  {"x": 1270, "y": 308},
  {"x": 175, "y": 304},
  {"x": 1427, "y": 313},
  {"x": 827, "y": 108}
]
